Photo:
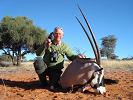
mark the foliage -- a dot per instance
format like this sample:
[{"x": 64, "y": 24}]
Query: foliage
[
  {"x": 18, "y": 36},
  {"x": 108, "y": 46}
]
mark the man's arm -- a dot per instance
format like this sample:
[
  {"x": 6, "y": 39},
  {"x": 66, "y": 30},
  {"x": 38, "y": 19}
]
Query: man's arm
[{"x": 69, "y": 54}]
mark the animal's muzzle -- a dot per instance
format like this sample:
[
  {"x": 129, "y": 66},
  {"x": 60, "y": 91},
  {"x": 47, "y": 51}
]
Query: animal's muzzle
[{"x": 97, "y": 82}]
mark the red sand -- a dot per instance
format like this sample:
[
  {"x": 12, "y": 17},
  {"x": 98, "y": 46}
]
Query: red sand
[{"x": 22, "y": 84}]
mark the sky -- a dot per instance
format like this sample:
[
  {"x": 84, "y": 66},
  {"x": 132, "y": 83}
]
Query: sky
[{"x": 106, "y": 17}]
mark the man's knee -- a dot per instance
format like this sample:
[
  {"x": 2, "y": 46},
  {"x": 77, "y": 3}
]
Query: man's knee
[{"x": 39, "y": 65}]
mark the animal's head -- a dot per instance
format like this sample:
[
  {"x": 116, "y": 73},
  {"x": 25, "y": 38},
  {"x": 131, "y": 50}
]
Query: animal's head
[{"x": 97, "y": 82}]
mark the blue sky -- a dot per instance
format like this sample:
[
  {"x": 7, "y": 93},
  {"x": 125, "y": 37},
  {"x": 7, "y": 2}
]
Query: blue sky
[{"x": 106, "y": 17}]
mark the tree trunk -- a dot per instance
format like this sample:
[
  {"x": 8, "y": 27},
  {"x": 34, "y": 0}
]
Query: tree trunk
[
  {"x": 13, "y": 59},
  {"x": 19, "y": 58}
]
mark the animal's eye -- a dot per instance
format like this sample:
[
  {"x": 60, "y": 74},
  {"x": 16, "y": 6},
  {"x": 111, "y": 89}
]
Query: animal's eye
[{"x": 95, "y": 86}]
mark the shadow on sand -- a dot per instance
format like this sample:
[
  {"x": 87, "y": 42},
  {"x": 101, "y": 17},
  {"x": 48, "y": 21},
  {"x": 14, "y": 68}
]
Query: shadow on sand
[{"x": 32, "y": 85}]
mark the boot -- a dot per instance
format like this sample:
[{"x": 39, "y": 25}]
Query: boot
[{"x": 43, "y": 80}]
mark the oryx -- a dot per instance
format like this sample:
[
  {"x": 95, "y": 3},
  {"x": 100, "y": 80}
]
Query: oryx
[{"x": 85, "y": 72}]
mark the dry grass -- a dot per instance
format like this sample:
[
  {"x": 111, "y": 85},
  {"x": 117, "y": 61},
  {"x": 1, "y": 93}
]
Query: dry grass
[
  {"x": 118, "y": 64},
  {"x": 114, "y": 64}
]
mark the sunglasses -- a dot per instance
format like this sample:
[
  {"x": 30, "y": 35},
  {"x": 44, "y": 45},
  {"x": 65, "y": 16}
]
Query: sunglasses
[{"x": 57, "y": 33}]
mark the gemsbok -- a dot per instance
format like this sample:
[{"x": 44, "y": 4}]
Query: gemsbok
[{"x": 85, "y": 72}]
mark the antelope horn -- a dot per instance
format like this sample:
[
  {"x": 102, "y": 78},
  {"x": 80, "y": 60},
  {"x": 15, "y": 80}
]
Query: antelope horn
[
  {"x": 88, "y": 38},
  {"x": 93, "y": 37}
]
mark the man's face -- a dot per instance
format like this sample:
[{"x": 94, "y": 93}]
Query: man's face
[{"x": 58, "y": 34}]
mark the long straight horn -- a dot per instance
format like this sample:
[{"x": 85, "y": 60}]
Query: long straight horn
[
  {"x": 89, "y": 39},
  {"x": 97, "y": 49}
]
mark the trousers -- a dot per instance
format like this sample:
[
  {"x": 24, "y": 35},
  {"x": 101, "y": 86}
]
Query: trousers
[{"x": 43, "y": 71}]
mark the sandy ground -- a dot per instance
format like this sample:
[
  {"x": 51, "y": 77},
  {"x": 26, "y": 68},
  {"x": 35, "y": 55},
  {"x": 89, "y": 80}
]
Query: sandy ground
[{"x": 21, "y": 83}]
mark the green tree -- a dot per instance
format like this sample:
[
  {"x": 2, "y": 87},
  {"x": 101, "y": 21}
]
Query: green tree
[
  {"x": 18, "y": 36},
  {"x": 108, "y": 47}
]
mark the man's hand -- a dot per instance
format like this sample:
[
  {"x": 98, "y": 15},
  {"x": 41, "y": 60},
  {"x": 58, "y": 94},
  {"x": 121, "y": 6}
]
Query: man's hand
[{"x": 48, "y": 43}]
